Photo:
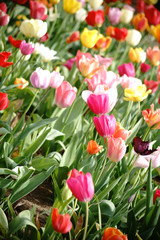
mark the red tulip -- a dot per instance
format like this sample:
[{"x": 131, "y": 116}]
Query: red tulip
[
  {"x": 4, "y": 18},
  {"x": 3, "y": 59},
  {"x": 145, "y": 67},
  {"x": 14, "y": 42},
  {"x": 4, "y": 102},
  {"x": 61, "y": 223},
  {"x": 152, "y": 14},
  {"x": 119, "y": 34},
  {"x": 3, "y": 7},
  {"x": 95, "y": 18},
  {"x": 75, "y": 36},
  {"x": 44, "y": 38},
  {"x": 37, "y": 10},
  {"x": 153, "y": 85},
  {"x": 156, "y": 195},
  {"x": 140, "y": 5},
  {"x": 21, "y": 2}
]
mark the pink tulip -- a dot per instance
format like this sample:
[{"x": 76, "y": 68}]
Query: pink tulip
[
  {"x": 37, "y": 10},
  {"x": 69, "y": 63},
  {"x": 4, "y": 18},
  {"x": 158, "y": 74},
  {"x": 105, "y": 125},
  {"x": 114, "y": 15},
  {"x": 65, "y": 95},
  {"x": 130, "y": 82},
  {"x": 40, "y": 78},
  {"x": 79, "y": 56},
  {"x": 127, "y": 68},
  {"x": 98, "y": 103},
  {"x": 144, "y": 160},
  {"x": 116, "y": 149},
  {"x": 81, "y": 186},
  {"x": 145, "y": 67},
  {"x": 105, "y": 62},
  {"x": 153, "y": 85},
  {"x": 56, "y": 79},
  {"x": 26, "y": 48},
  {"x": 107, "y": 78}
]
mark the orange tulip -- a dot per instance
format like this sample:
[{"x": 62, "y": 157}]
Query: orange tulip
[
  {"x": 140, "y": 22},
  {"x": 21, "y": 81},
  {"x": 154, "y": 55},
  {"x": 152, "y": 117},
  {"x": 103, "y": 43},
  {"x": 113, "y": 234},
  {"x": 93, "y": 147},
  {"x": 75, "y": 36},
  {"x": 121, "y": 132},
  {"x": 155, "y": 31}
]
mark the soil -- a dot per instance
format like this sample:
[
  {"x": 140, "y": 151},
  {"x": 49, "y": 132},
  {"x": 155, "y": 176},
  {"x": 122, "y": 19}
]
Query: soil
[{"x": 42, "y": 197}]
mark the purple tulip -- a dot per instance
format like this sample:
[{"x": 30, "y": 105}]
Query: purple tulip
[{"x": 26, "y": 48}]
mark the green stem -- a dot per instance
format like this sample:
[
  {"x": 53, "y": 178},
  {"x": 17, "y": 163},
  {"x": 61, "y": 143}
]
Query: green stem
[
  {"x": 125, "y": 116},
  {"x": 99, "y": 212},
  {"x": 124, "y": 55},
  {"x": 86, "y": 222},
  {"x": 152, "y": 73},
  {"x": 146, "y": 134},
  {"x": 117, "y": 51},
  {"x": 138, "y": 111},
  {"x": 138, "y": 237}
]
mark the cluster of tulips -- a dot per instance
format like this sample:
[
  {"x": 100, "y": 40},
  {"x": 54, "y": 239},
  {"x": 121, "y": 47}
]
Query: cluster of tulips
[{"x": 79, "y": 106}]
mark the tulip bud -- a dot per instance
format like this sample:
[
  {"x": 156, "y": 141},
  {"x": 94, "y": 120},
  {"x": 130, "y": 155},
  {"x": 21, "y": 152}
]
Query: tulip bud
[
  {"x": 126, "y": 14},
  {"x": 133, "y": 38}
]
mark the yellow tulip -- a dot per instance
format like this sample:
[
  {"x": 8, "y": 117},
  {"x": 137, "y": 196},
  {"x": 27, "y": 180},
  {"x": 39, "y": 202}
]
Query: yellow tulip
[
  {"x": 136, "y": 95},
  {"x": 54, "y": 1},
  {"x": 137, "y": 55},
  {"x": 89, "y": 38},
  {"x": 71, "y": 6}
]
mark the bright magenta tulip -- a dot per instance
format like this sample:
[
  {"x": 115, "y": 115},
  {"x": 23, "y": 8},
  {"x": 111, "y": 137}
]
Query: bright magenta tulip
[{"x": 98, "y": 103}]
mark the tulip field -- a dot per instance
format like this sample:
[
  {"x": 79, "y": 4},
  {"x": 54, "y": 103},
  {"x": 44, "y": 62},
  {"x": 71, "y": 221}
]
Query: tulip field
[{"x": 79, "y": 120}]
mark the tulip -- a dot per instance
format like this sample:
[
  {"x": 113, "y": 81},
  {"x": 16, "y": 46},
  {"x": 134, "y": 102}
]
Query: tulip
[
  {"x": 114, "y": 15},
  {"x": 103, "y": 43},
  {"x": 126, "y": 14},
  {"x": 133, "y": 38},
  {"x": 93, "y": 147},
  {"x": 14, "y": 42},
  {"x": 105, "y": 62},
  {"x": 33, "y": 28},
  {"x": 155, "y": 31},
  {"x": 71, "y": 6},
  {"x": 98, "y": 104},
  {"x": 145, "y": 67},
  {"x": 156, "y": 195},
  {"x": 105, "y": 125},
  {"x": 152, "y": 14},
  {"x": 4, "y": 18},
  {"x": 127, "y": 68},
  {"x": 56, "y": 79},
  {"x": 95, "y": 4},
  {"x": 119, "y": 34},
  {"x": 87, "y": 66},
  {"x": 153, "y": 85},
  {"x": 74, "y": 173},
  {"x": 154, "y": 55},
  {"x": 140, "y": 5},
  {"x": 21, "y": 81},
  {"x": 95, "y": 18},
  {"x": 37, "y": 10},
  {"x": 44, "y": 38},
  {"x": 152, "y": 117},
  {"x": 26, "y": 48},
  {"x": 21, "y": 2},
  {"x": 142, "y": 147},
  {"x": 4, "y": 102},
  {"x": 113, "y": 234},
  {"x": 158, "y": 74},
  {"x": 137, "y": 55},
  {"x": 81, "y": 15},
  {"x": 82, "y": 187},
  {"x": 3, "y": 7},
  {"x": 75, "y": 36},
  {"x": 116, "y": 149},
  {"x": 130, "y": 82},
  {"x": 69, "y": 63},
  {"x": 61, "y": 223},
  {"x": 140, "y": 22},
  {"x": 120, "y": 132},
  {"x": 136, "y": 95},
  {"x": 144, "y": 160},
  {"x": 40, "y": 78},
  {"x": 3, "y": 59},
  {"x": 89, "y": 38},
  {"x": 65, "y": 95}
]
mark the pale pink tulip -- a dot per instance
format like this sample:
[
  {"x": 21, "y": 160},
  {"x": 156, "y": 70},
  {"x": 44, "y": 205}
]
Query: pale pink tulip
[
  {"x": 56, "y": 79},
  {"x": 116, "y": 149},
  {"x": 105, "y": 62},
  {"x": 144, "y": 160},
  {"x": 105, "y": 125},
  {"x": 130, "y": 82},
  {"x": 98, "y": 103},
  {"x": 81, "y": 186},
  {"x": 154, "y": 55},
  {"x": 65, "y": 95},
  {"x": 40, "y": 78},
  {"x": 114, "y": 15},
  {"x": 158, "y": 74}
]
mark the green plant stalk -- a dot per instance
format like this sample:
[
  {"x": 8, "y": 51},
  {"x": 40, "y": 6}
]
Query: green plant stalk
[
  {"x": 86, "y": 222},
  {"x": 146, "y": 133},
  {"x": 99, "y": 212},
  {"x": 138, "y": 111},
  {"x": 138, "y": 237},
  {"x": 125, "y": 116}
]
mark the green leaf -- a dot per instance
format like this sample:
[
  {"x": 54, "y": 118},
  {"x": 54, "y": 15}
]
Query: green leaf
[
  {"x": 134, "y": 131},
  {"x": 6, "y": 171},
  {"x": 132, "y": 225},
  {"x": 29, "y": 185},
  {"x": 40, "y": 163},
  {"x": 149, "y": 190},
  {"x": 107, "y": 208},
  {"x": 3, "y": 223}
]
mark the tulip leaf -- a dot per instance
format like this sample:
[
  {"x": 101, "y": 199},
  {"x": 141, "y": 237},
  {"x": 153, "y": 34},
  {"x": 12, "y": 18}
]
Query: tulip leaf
[
  {"x": 134, "y": 131},
  {"x": 3, "y": 223}
]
